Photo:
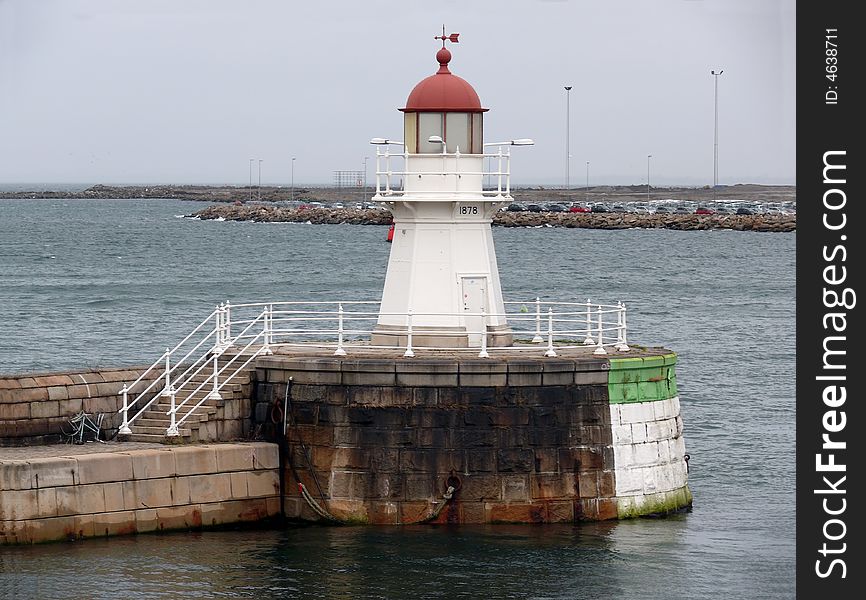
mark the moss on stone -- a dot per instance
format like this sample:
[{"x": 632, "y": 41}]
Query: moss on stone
[{"x": 661, "y": 503}]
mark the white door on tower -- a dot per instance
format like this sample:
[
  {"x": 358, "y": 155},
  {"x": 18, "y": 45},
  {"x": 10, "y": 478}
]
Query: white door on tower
[{"x": 474, "y": 290}]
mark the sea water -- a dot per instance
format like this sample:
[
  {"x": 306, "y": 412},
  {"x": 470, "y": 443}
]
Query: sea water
[{"x": 111, "y": 283}]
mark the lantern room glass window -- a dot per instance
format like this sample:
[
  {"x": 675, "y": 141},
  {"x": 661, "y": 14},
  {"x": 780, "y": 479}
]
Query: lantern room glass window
[
  {"x": 477, "y": 137},
  {"x": 457, "y": 129},
  {"x": 430, "y": 124},
  {"x": 457, "y": 132},
  {"x": 410, "y": 132}
]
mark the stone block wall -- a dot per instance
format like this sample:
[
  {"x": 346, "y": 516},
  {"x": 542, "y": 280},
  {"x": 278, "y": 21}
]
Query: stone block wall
[
  {"x": 114, "y": 493},
  {"x": 33, "y": 407},
  {"x": 378, "y": 440},
  {"x": 647, "y": 432}
]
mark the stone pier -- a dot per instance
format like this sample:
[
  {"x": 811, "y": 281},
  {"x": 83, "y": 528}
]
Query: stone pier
[
  {"x": 522, "y": 438},
  {"x": 54, "y": 493}
]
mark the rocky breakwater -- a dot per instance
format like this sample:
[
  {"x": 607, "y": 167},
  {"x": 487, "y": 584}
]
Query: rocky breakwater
[
  {"x": 684, "y": 222},
  {"x": 275, "y": 214}
]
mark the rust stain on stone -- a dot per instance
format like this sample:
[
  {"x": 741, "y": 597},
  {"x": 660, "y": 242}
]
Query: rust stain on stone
[{"x": 127, "y": 529}]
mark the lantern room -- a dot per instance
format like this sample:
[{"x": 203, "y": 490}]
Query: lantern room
[{"x": 443, "y": 109}]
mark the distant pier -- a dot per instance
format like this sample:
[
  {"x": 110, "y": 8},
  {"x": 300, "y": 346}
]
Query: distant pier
[{"x": 685, "y": 222}]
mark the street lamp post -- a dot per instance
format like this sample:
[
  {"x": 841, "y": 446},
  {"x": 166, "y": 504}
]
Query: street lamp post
[
  {"x": 567, "y": 138},
  {"x": 716, "y": 129},
  {"x": 648, "y": 157},
  {"x": 260, "y": 181},
  {"x": 293, "y": 179},
  {"x": 251, "y": 180}
]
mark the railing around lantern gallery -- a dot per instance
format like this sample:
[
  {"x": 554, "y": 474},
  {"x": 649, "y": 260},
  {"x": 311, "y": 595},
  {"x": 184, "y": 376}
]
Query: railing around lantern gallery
[
  {"x": 496, "y": 179},
  {"x": 227, "y": 341}
]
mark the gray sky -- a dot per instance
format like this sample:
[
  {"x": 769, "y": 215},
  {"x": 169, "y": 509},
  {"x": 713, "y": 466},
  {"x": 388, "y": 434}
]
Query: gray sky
[{"x": 187, "y": 91}]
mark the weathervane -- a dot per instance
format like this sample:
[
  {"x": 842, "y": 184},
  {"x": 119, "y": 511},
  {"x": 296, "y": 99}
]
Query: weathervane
[{"x": 450, "y": 38}]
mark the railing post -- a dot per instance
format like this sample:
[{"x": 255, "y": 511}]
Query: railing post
[
  {"x": 588, "y": 341},
  {"x": 456, "y": 168},
  {"x": 537, "y": 339},
  {"x": 483, "y": 353},
  {"x": 499, "y": 173},
  {"x": 227, "y": 325},
  {"x": 124, "y": 426},
  {"x": 409, "y": 353},
  {"x": 215, "y": 392},
  {"x": 218, "y": 327},
  {"x": 622, "y": 346},
  {"x": 508, "y": 173},
  {"x": 167, "y": 372},
  {"x": 550, "y": 351},
  {"x": 600, "y": 349},
  {"x": 378, "y": 180},
  {"x": 388, "y": 171},
  {"x": 268, "y": 329},
  {"x": 172, "y": 428},
  {"x": 340, "y": 351}
]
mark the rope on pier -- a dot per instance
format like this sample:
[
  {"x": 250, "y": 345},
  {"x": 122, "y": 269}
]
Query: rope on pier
[
  {"x": 322, "y": 512},
  {"x": 446, "y": 497}
]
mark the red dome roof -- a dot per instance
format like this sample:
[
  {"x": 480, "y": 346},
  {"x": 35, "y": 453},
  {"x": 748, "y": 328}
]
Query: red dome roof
[{"x": 443, "y": 92}]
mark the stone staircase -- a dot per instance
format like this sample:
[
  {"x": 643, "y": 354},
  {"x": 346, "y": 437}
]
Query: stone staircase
[{"x": 206, "y": 423}]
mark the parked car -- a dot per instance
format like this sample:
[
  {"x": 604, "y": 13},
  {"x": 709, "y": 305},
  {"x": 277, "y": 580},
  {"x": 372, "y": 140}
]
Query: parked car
[
  {"x": 599, "y": 208},
  {"x": 515, "y": 207},
  {"x": 578, "y": 208},
  {"x": 641, "y": 210},
  {"x": 618, "y": 208},
  {"x": 555, "y": 208},
  {"x": 533, "y": 208},
  {"x": 704, "y": 210},
  {"x": 745, "y": 210},
  {"x": 662, "y": 209},
  {"x": 724, "y": 210},
  {"x": 682, "y": 210}
]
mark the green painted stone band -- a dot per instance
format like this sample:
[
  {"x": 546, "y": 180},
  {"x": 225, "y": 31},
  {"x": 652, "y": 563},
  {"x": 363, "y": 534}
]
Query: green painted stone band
[{"x": 642, "y": 379}]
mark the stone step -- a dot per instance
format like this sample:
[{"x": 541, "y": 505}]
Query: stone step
[
  {"x": 162, "y": 409},
  {"x": 159, "y": 431},
  {"x": 188, "y": 386},
  {"x": 156, "y": 439},
  {"x": 193, "y": 420},
  {"x": 148, "y": 422},
  {"x": 162, "y": 404}
]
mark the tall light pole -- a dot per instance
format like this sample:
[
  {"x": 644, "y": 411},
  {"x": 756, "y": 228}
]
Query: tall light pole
[
  {"x": 567, "y": 137},
  {"x": 293, "y": 179},
  {"x": 251, "y": 180},
  {"x": 648, "y": 157},
  {"x": 260, "y": 181},
  {"x": 716, "y": 130}
]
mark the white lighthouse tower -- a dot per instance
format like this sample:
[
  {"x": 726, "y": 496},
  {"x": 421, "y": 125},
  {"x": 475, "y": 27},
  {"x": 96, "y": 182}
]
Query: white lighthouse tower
[{"x": 443, "y": 281}]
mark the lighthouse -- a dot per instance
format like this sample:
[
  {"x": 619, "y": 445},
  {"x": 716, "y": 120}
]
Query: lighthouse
[{"x": 442, "y": 283}]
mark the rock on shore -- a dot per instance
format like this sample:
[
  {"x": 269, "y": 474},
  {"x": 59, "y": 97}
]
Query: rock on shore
[{"x": 275, "y": 214}]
